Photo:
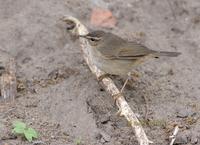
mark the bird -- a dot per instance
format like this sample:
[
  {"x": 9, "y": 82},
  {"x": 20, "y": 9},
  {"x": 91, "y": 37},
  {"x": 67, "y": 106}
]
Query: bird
[{"x": 117, "y": 56}]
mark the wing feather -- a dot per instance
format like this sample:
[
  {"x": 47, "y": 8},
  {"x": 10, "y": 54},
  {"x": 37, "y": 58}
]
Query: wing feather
[{"x": 127, "y": 51}]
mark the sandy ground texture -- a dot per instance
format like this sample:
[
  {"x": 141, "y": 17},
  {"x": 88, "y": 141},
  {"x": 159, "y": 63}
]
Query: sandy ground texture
[{"x": 61, "y": 98}]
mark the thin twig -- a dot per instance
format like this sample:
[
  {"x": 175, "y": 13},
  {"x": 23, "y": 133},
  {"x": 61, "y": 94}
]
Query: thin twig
[
  {"x": 173, "y": 136},
  {"x": 146, "y": 107},
  {"x": 38, "y": 142}
]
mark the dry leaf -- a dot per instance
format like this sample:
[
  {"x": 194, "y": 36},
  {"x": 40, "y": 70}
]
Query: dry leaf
[{"x": 103, "y": 18}]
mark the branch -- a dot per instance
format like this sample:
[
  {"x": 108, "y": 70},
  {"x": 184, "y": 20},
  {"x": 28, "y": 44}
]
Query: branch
[
  {"x": 173, "y": 136},
  {"x": 77, "y": 28}
]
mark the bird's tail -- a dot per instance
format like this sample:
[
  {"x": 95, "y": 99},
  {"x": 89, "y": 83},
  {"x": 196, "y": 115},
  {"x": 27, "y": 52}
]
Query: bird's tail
[{"x": 165, "y": 53}]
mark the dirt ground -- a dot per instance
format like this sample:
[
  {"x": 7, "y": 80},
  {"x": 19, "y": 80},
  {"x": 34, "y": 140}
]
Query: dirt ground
[{"x": 61, "y": 98}]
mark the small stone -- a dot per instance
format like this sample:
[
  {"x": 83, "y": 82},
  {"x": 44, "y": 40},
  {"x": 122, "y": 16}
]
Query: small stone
[
  {"x": 52, "y": 136},
  {"x": 102, "y": 140},
  {"x": 98, "y": 136},
  {"x": 184, "y": 113},
  {"x": 194, "y": 140},
  {"x": 105, "y": 136},
  {"x": 104, "y": 119},
  {"x": 182, "y": 138}
]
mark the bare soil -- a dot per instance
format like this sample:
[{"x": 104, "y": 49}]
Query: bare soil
[{"x": 61, "y": 98}]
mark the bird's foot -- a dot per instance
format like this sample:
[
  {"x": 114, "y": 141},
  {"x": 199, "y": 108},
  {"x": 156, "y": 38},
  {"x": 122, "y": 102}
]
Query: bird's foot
[
  {"x": 116, "y": 96},
  {"x": 133, "y": 77},
  {"x": 100, "y": 78},
  {"x": 135, "y": 74}
]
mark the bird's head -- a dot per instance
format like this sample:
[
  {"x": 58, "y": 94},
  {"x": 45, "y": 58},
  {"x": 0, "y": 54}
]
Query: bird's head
[{"x": 95, "y": 38}]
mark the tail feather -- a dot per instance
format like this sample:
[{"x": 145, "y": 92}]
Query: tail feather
[{"x": 165, "y": 53}]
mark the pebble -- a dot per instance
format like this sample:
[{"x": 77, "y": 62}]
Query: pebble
[
  {"x": 104, "y": 119},
  {"x": 194, "y": 140},
  {"x": 102, "y": 140},
  {"x": 184, "y": 113},
  {"x": 106, "y": 137},
  {"x": 182, "y": 138}
]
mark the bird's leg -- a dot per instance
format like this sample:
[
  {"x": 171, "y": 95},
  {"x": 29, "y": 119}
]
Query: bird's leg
[
  {"x": 131, "y": 76},
  {"x": 124, "y": 85},
  {"x": 128, "y": 78}
]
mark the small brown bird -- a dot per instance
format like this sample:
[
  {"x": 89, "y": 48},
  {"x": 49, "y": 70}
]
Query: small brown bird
[{"x": 116, "y": 56}]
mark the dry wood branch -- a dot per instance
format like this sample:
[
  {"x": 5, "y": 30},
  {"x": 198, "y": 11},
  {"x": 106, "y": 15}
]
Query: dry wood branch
[
  {"x": 173, "y": 136},
  {"x": 77, "y": 28},
  {"x": 8, "y": 81}
]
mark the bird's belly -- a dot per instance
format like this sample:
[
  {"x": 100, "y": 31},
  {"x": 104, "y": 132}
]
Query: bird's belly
[
  {"x": 115, "y": 67},
  {"x": 112, "y": 66}
]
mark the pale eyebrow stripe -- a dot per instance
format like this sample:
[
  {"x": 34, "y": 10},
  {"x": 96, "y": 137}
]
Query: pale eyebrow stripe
[{"x": 96, "y": 38}]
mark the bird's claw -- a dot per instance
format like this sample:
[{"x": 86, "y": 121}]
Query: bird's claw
[
  {"x": 135, "y": 74},
  {"x": 100, "y": 78}
]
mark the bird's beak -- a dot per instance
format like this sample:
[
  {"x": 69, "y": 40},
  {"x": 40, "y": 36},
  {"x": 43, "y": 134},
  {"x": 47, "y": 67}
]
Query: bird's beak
[{"x": 83, "y": 36}]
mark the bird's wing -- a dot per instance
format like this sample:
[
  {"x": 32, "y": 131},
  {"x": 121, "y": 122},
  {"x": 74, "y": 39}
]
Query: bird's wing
[{"x": 128, "y": 51}]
